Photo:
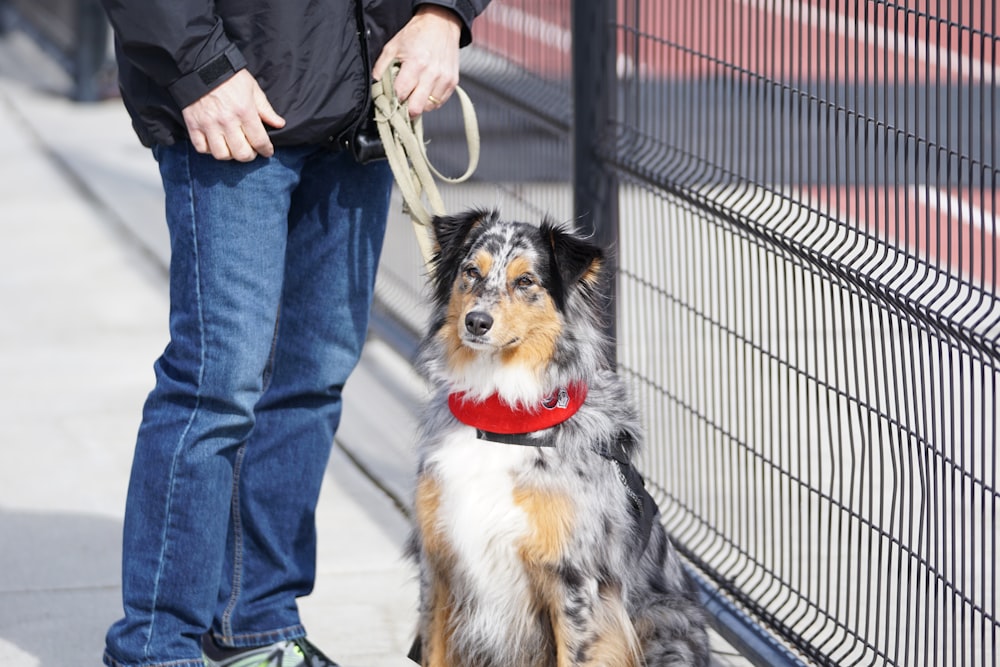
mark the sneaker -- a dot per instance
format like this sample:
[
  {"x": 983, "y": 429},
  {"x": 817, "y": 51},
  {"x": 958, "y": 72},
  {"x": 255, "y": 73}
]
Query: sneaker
[{"x": 291, "y": 653}]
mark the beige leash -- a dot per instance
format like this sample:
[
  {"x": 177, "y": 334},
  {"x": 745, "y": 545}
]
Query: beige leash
[{"x": 403, "y": 140}]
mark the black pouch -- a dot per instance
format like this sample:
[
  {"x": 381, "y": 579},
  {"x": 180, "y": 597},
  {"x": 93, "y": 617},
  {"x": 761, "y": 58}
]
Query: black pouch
[{"x": 366, "y": 145}]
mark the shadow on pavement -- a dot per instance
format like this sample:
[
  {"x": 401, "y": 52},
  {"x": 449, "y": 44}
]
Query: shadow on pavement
[{"x": 59, "y": 580}]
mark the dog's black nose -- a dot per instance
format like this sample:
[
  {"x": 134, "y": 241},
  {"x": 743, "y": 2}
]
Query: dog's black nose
[{"x": 478, "y": 322}]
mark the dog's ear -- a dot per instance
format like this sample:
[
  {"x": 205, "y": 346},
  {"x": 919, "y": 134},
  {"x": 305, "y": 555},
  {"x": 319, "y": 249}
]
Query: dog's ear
[
  {"x": 575, "y": 261},
  {"x": 451, "y": 234},
  {"x": 451, "y": 230}
]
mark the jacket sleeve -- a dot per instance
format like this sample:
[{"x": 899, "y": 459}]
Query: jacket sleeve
[
  {"x": 180, "y": 44},
  {"x": 467, "y": 10}
]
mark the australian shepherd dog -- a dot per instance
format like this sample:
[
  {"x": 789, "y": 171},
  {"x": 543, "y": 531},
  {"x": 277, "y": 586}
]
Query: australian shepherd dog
[{"x": 536, "y": 542}]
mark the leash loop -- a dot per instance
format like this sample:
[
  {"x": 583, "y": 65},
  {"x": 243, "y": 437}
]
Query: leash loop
[{"x": 403, "y": 140}]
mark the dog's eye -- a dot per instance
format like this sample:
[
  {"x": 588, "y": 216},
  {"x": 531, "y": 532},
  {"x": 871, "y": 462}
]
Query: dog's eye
[
  {"x": 524, "y": 281},
  {"x": 471, "y": 273}
]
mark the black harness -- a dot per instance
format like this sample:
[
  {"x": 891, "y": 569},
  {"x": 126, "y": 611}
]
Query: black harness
[{"x": 642, "y": 503}]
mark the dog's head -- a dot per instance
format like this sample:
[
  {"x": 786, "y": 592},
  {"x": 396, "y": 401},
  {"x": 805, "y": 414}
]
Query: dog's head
[{"x": 512, "y": 297}]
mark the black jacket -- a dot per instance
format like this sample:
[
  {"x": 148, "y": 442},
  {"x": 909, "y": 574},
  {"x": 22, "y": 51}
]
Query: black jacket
[{"x": 313, "y": 58}]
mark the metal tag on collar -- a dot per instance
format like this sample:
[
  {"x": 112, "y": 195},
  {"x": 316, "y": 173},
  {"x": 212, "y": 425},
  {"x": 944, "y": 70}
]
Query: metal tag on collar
[{"x": 559, "y": 400}]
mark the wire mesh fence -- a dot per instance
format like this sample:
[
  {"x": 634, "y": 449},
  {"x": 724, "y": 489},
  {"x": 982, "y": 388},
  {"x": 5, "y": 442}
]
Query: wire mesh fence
[{"x": 807, "y": 306}]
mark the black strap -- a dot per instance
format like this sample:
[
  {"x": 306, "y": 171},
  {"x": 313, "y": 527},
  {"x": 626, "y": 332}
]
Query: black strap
[
  {"x": 215, "y": 70},
  {"x": 643, "y": 505},
  {"x": 524, "y": 439}
]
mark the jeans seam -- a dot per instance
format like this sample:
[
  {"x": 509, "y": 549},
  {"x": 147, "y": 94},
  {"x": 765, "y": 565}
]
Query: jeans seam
[
  {"x": 289, "y": 633},
  {"x": 237, "y": 582},
  {"x": 168, "y": 524}
]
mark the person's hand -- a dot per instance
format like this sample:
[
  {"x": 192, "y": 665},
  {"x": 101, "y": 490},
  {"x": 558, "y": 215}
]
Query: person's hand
[
  {"x": 229, "y": 121},
  {"x": 427, "y": 48}
]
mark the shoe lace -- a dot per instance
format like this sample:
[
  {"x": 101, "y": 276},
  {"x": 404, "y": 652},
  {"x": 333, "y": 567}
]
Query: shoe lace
[
  {"x": 291, "y": 658},
  {"x": 311, "y": 656}
]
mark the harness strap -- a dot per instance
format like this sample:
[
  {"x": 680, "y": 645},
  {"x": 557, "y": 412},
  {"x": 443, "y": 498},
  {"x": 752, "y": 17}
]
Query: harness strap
[
  {"x": 643, "y": 504},
  {"x": 403, "y": 140}
]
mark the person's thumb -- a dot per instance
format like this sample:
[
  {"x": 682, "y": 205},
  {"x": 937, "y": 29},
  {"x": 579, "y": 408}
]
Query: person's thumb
[{"x": 266, "y": 112}]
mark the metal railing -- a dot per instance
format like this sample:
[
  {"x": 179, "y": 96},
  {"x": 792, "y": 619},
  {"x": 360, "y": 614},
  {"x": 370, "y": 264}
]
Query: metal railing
[{"x": 802, "y": 199}]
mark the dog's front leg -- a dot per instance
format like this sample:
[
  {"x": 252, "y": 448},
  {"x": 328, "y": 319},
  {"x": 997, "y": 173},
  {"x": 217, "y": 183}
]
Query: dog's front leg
[
  {"x": 436, "y": 561},
  {"x": 591, "y": 625},
  {"x": 436, "y": 625}
]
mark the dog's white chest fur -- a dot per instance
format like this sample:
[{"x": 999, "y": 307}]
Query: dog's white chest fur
[{"x": 483, "y": 523}]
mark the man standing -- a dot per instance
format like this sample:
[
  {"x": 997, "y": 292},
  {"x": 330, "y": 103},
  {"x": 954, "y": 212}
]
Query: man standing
[{"x": 250, "y": 108}]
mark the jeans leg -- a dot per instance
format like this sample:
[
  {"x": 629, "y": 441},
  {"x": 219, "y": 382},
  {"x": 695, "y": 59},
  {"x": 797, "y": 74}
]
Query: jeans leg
[
  {"x": 337, "y": 225},
  {"x": 228, "y": 228}
]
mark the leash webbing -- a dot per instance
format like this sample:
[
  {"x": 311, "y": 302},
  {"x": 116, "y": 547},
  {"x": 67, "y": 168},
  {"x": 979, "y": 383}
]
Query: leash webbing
[{"x": 403, "y": 140}]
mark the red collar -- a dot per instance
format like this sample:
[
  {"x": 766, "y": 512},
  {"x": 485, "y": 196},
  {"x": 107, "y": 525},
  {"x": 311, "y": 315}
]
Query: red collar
[{"x": 493, "y": 415}]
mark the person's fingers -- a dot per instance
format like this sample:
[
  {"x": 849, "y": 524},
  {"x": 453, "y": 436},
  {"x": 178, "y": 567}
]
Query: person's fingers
[
  {"x": 239, "y": 145},
  {"x": 438, "y": 100},
  {"x": 255, "y": 131},
  {"x": 423, "y": 98},
  {"x": 385, "y": 59},
  {"x": 199, "y": 141},
  {"x": 256, "y": 139},
  {"x": 427, "y": 48},
  {"x": 419, "y": 102},
  {"x": 229, "y": 122},
  {"x": 265, "y": 111},
  {"x": 439, "y": 91},
  {"x": 424, "y": 87},
  {"x": 217, "y": 146},
  {"x": 407, "y": 81}
]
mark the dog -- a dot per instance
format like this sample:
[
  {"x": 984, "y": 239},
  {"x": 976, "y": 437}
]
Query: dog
[{"x": 535, "y": 540}]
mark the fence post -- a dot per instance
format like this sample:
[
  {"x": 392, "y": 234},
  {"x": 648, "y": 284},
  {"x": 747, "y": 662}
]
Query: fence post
[
  {"x": 91, "y": 47},
  {"x": 595, "y": 186}
]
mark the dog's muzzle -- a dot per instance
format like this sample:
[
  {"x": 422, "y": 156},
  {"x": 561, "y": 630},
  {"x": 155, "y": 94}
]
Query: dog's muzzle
[{"x": 478, "y": 323}]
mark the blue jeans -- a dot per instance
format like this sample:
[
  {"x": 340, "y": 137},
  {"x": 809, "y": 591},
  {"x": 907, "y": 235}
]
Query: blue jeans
[{"x": 271, "y": 279}]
